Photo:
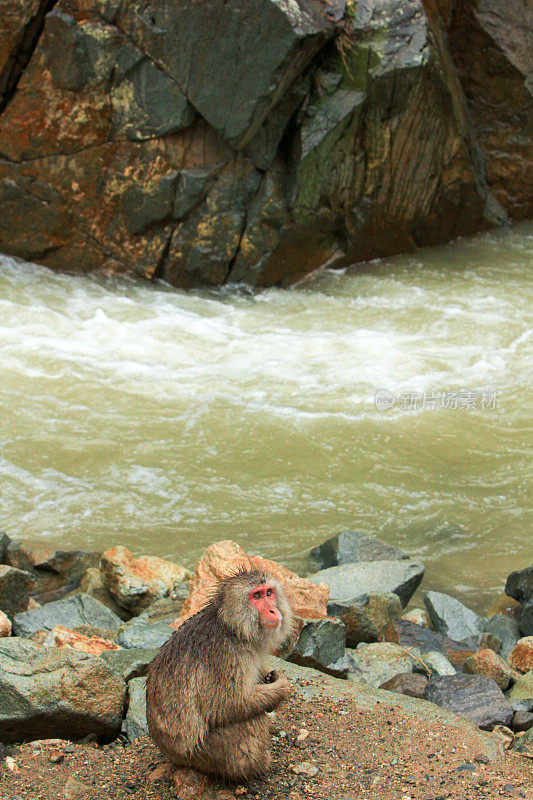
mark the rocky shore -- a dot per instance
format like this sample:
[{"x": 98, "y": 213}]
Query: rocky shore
[
  {"x": 254, "y": 142},
  {"x": 78, "y": 630}
]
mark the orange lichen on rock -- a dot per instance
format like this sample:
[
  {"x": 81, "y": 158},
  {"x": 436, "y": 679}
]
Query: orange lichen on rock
[
  {"x": 223, "y": 558},
  {"x": 64, "y": 637}
]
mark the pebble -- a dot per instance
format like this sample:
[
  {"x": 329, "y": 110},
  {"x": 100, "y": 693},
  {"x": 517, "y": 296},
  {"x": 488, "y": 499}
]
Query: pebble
[
  {"x": 302, "y": 735},
  {"x": 306, "y": 769},
  {"x": 56, "y": 756},
  {"x": 12, "y": 765}
]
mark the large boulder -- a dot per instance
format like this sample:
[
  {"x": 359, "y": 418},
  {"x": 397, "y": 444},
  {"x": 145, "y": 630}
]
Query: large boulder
[
  {"x": 352, "y": 580},
  {"x": 56, "y": 692},
  {"x": 134, "y": 583},
  {"x": 308, "y": 598},
  {"x": 476, "y": 697},
  {"x": 78, "y": 611},
  {"x": 349, "y": 547},
  {"x": 366, "y": 616},
  {"x": 16, "y": 585},
  {"x": 450, "y": 617}
]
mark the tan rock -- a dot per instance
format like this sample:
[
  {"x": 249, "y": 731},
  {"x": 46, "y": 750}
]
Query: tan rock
[
  {"x": 223, "y": 558},
  {"x": 487, "y": 662},
  {"x": 419, "y": 616},
  {"x": 5, "y": 625},
  {"x": 64, "y": 637},
  {"x": 521, "y": 657},
  {"x": 504, "y": 605},
  {"x": 92, "y": 583},
  {"x": 134, "y": 583}
]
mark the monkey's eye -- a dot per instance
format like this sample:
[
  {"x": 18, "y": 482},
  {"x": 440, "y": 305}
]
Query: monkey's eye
[
  {"x": 256, "y": 595},
  {"x": 269, "y": 592}
]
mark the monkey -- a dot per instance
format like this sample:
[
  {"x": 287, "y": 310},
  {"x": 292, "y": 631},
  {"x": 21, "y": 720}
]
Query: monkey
[{"x": 208, "y": 690}]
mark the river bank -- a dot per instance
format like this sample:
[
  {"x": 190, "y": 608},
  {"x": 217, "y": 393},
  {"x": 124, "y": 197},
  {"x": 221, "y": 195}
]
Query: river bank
[{"x": 97, "y": 620}]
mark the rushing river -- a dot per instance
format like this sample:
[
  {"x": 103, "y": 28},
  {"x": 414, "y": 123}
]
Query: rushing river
[{"x": 162, "y": 420}]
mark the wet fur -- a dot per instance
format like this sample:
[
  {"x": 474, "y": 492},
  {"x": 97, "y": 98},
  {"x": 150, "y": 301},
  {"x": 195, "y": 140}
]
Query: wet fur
[{"x": 206, "y": 700}]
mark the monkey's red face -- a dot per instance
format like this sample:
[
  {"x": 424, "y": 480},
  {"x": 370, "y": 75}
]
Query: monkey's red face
[{"x": 263, "y": 598}]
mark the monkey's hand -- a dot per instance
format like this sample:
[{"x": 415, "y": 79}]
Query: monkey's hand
[{"x": 279, "y": 690}]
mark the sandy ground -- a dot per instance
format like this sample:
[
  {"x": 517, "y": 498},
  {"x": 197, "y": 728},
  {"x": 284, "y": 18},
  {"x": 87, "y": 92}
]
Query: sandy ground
[{"x": 323, "y": 750}]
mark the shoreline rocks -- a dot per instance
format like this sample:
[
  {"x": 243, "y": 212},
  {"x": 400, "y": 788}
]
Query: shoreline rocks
[{"x": 90, "y": 646}]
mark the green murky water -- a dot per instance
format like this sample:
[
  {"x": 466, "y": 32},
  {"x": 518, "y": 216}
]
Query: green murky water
[{"x": 164, "y": 421}]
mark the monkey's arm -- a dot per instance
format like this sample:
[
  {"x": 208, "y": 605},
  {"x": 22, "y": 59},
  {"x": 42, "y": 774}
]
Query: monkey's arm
[{"x": 262, "y": 697}]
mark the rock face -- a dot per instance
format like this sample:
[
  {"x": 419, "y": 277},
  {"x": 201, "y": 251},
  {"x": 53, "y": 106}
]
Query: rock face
[
  {"x": 134, "y": 583},
  {"x": 220, "y": 559},
  {"x": 349, "y": 547},
  {"x": 352, "y": 580},
  {"x": 255, "y": 141},
  {"x": 472, "y": 696},
  {"x": 74, "y": 612},
  {"x": 56, "y": 692}
]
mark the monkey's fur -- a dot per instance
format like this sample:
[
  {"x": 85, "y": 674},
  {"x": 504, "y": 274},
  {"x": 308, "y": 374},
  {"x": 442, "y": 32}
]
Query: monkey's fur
[{"x": 206, "y": 695}]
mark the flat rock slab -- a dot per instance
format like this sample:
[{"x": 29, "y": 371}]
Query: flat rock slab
[
  {"x": 56, "y": 692},
  {"x": 351, "y": 547},
  {"x": 73, "y": 612},
  {"x": 310, "y": 684},
  {"x": 352, "y": 580},
  {"x": 450, "y": 617},
  {"x": 473, "y": 696}
]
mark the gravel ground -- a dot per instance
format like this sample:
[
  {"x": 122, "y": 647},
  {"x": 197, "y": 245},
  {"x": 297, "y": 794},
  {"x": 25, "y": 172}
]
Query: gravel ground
[{"x": 323, "y": 750}]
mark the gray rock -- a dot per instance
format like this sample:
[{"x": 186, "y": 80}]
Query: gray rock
[
  {"x": 450, "y": 617},
  {"x": 519, "y": 585},
  {"x": 16, "y": 586},
  {"x": 525, "y": 618},
  {"x": 232, "y": 61},
  {"x": 505, "y": 628},
  {"x": 410, "y": 683},
  {"x": 136, "y": 724},
  {"x": 141, "y": 633},
  {"x": 74, "y": 612},
  {"x": 351, "y": 547},
  {"x": 321, "y": 645},
  {"x": 434, "y": 663},
  {"x": 373, "y": 664},
  {"x": 521, "y": 705},
  {"x": 56, "y": 692},
  {"x": 473, "y": 696},
  {"x": 524, "y": 744},
  {"x": 167, "y": 609},
  {"x": 91, "y": 583},
  {"x": 352, "y": 580},
  {"x": 366, "y": 616},
  {"x": 131, "y": 663}
]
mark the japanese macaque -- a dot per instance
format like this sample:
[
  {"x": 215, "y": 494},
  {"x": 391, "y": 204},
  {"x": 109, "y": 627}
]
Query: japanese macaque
[{"x": 209, "y": 689}]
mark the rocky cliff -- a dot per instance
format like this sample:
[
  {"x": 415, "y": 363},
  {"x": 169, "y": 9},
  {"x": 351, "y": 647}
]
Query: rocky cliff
[{"x": 255, "y": 140}]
